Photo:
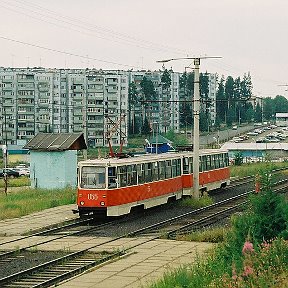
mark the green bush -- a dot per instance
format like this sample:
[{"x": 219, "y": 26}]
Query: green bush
[{"x": 253, "y": 254}]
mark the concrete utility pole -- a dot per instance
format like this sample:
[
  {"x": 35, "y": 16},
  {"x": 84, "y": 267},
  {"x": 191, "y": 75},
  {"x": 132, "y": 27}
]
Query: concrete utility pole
[{"x": 196, "y": 114}]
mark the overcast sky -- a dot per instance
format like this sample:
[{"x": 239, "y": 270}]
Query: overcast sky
[{"x": 251, "y": 36}]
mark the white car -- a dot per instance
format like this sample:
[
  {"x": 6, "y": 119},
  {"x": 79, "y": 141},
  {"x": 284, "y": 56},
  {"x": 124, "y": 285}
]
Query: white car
[
  {"x": 252, "y": 133},
  {"x": 237, "y": 139},
  {"x": 22, "y": 171}
]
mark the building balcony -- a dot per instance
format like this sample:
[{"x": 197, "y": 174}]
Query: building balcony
[
  {"x": 7, "y": 88},
  {"x": 7, "y": 80},
  {"x": 8, "y": 103}
]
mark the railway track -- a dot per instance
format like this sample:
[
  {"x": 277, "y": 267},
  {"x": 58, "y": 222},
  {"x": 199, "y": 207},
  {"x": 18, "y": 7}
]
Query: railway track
[{"x": 64, "y": 267}]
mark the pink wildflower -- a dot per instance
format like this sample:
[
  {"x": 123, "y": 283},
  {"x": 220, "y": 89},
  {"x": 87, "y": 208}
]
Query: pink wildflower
[
  {"x": 234, "y": 273},
  {"x": 247, "y": 271},
  {"x": 248, "y": 247},
  {"x": 266, "y": 245}
]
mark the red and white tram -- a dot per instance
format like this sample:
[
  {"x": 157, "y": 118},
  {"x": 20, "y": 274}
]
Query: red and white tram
[{"x": 115, "y": 186}]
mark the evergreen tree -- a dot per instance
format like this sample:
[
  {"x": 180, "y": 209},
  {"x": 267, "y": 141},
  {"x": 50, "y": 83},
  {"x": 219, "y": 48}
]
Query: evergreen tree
[
  {"x": 258, "y": 113},
  {"x": 132, "y": 100},
  {"x": 203, "y": 121},
  {"x": 281, "y": 104},
  {"x": 268, "y": 108},
  {"x": 221, "y": 101},
  {"x": 146, "y": 129},
  {"x": 229, "y": 90},
  {"x": 166, "y": 79},
  {"x": 148, "y": 95},
  {"x": 246, "y": 86},
  {"x": 250, "y": 114}
]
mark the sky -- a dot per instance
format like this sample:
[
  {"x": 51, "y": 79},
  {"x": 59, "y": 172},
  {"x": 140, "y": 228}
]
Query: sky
[{"x": 249, "y": 36}]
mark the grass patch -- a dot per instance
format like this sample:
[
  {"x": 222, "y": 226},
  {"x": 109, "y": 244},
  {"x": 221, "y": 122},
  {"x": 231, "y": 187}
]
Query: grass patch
[
  {"x": 214, "y": 235},
  {"x": 249, "y": 169},
  {"x": 196, "y": 203},
  {"x": 25, "y": 202},
  {"x": 264, "y": 267},
  {"x": 254, "y": 252},
  {"x": 16, "y": 182}
]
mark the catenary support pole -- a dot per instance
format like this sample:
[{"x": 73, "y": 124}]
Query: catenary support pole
[{"x": 196, "y": 113}]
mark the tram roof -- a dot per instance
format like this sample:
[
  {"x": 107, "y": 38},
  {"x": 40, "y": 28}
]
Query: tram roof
[{"x": 150, "y": 157}]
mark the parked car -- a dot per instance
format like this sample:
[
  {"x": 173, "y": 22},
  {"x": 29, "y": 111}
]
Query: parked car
[
  {"x": 22, "y": 171},
  {"x": 252, "y": 133},
  {"x": 237, "y": 139},
  {"x": 244, "y": 137},
  {"x": 10, "y": 173}
]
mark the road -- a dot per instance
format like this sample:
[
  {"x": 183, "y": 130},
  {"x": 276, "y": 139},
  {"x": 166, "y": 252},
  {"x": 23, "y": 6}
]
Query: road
[{"x": 223, "y": 135}]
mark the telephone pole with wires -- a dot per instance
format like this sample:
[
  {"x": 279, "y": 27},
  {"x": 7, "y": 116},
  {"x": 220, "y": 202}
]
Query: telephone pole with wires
[{"x": 196, "y": 114}]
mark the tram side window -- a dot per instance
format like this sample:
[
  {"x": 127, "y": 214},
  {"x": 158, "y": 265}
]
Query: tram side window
[
  {"x": 93, "y": 177},
  {"x": 213, "y": 161},
  {"x": 217, "y": 158},
  {"x": 131, "y": 175},
  {"x": 208, "y": 162},
  {"x": 217, "y": 164},
  {"x": 168, "y": 172},
  {"x": 155, "y": 171},
  {"x": 178, "y": 167},
  {"x": 148, "y": 172},
  {"x": 140, "y": 172},
  {"x": 221, "y": 162},
  {"x": 191, "y": 164},
  {"x": 201, "y": 164},
  {"x": 185, "y": 166},
  {"x": 134, "y": 175},
  {"x": 122, "y": 170},
  {"x": 204, "y": 163},
  {"x": 112, "y": 178},
  {"x": 161, "y": 170},
  {"x": 174, "y": 167},
  {"x": 226, "y": 160}
]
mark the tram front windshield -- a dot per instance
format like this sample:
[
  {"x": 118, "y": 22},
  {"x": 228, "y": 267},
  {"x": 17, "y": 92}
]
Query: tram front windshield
[{"x": 93, "y": 177}]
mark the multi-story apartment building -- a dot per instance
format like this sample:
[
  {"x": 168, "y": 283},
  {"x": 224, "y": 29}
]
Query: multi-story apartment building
[
  {"x": 91, "y": 101},
  {"x": 63, "y": 100}
]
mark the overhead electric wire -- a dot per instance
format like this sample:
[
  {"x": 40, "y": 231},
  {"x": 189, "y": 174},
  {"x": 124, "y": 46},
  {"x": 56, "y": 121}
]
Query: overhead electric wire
[
  {"x": 96, "y": 31},
  {"x": 110, "y": 34},
  {"x": 64, "y": 52}
]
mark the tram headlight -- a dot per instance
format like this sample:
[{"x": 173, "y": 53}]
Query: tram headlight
[
  {"x": 102, "y": 203},
  {"x": 82, "y": 203}
]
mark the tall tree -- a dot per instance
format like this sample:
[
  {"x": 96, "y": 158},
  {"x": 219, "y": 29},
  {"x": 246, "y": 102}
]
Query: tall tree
[
  {"x": 184, "y": 106},
  {"x": 246, "y": 86},
  {"x": 229, "y": 91},
  {"x": 281, "y": 104},
  {"x": 268, "y": 108},
  {"x": 258, "y": 113},
  {"x": 221, "y": 101},
  {"x": 133, "y": 99},
  {"x": 249, "y": 114},
  {"x": 204, "y": 96},
  {"x": 146, "y": 129},
  {"x": 166, "y": 79},
  {"x": 148, "y": 95}
]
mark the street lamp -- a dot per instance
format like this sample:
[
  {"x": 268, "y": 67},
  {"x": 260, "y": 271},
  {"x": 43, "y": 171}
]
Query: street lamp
[{"x": 196, "y": 113}]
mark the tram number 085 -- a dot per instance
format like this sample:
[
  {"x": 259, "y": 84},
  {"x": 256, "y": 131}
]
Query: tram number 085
[{"x": 92, "y": 196}]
